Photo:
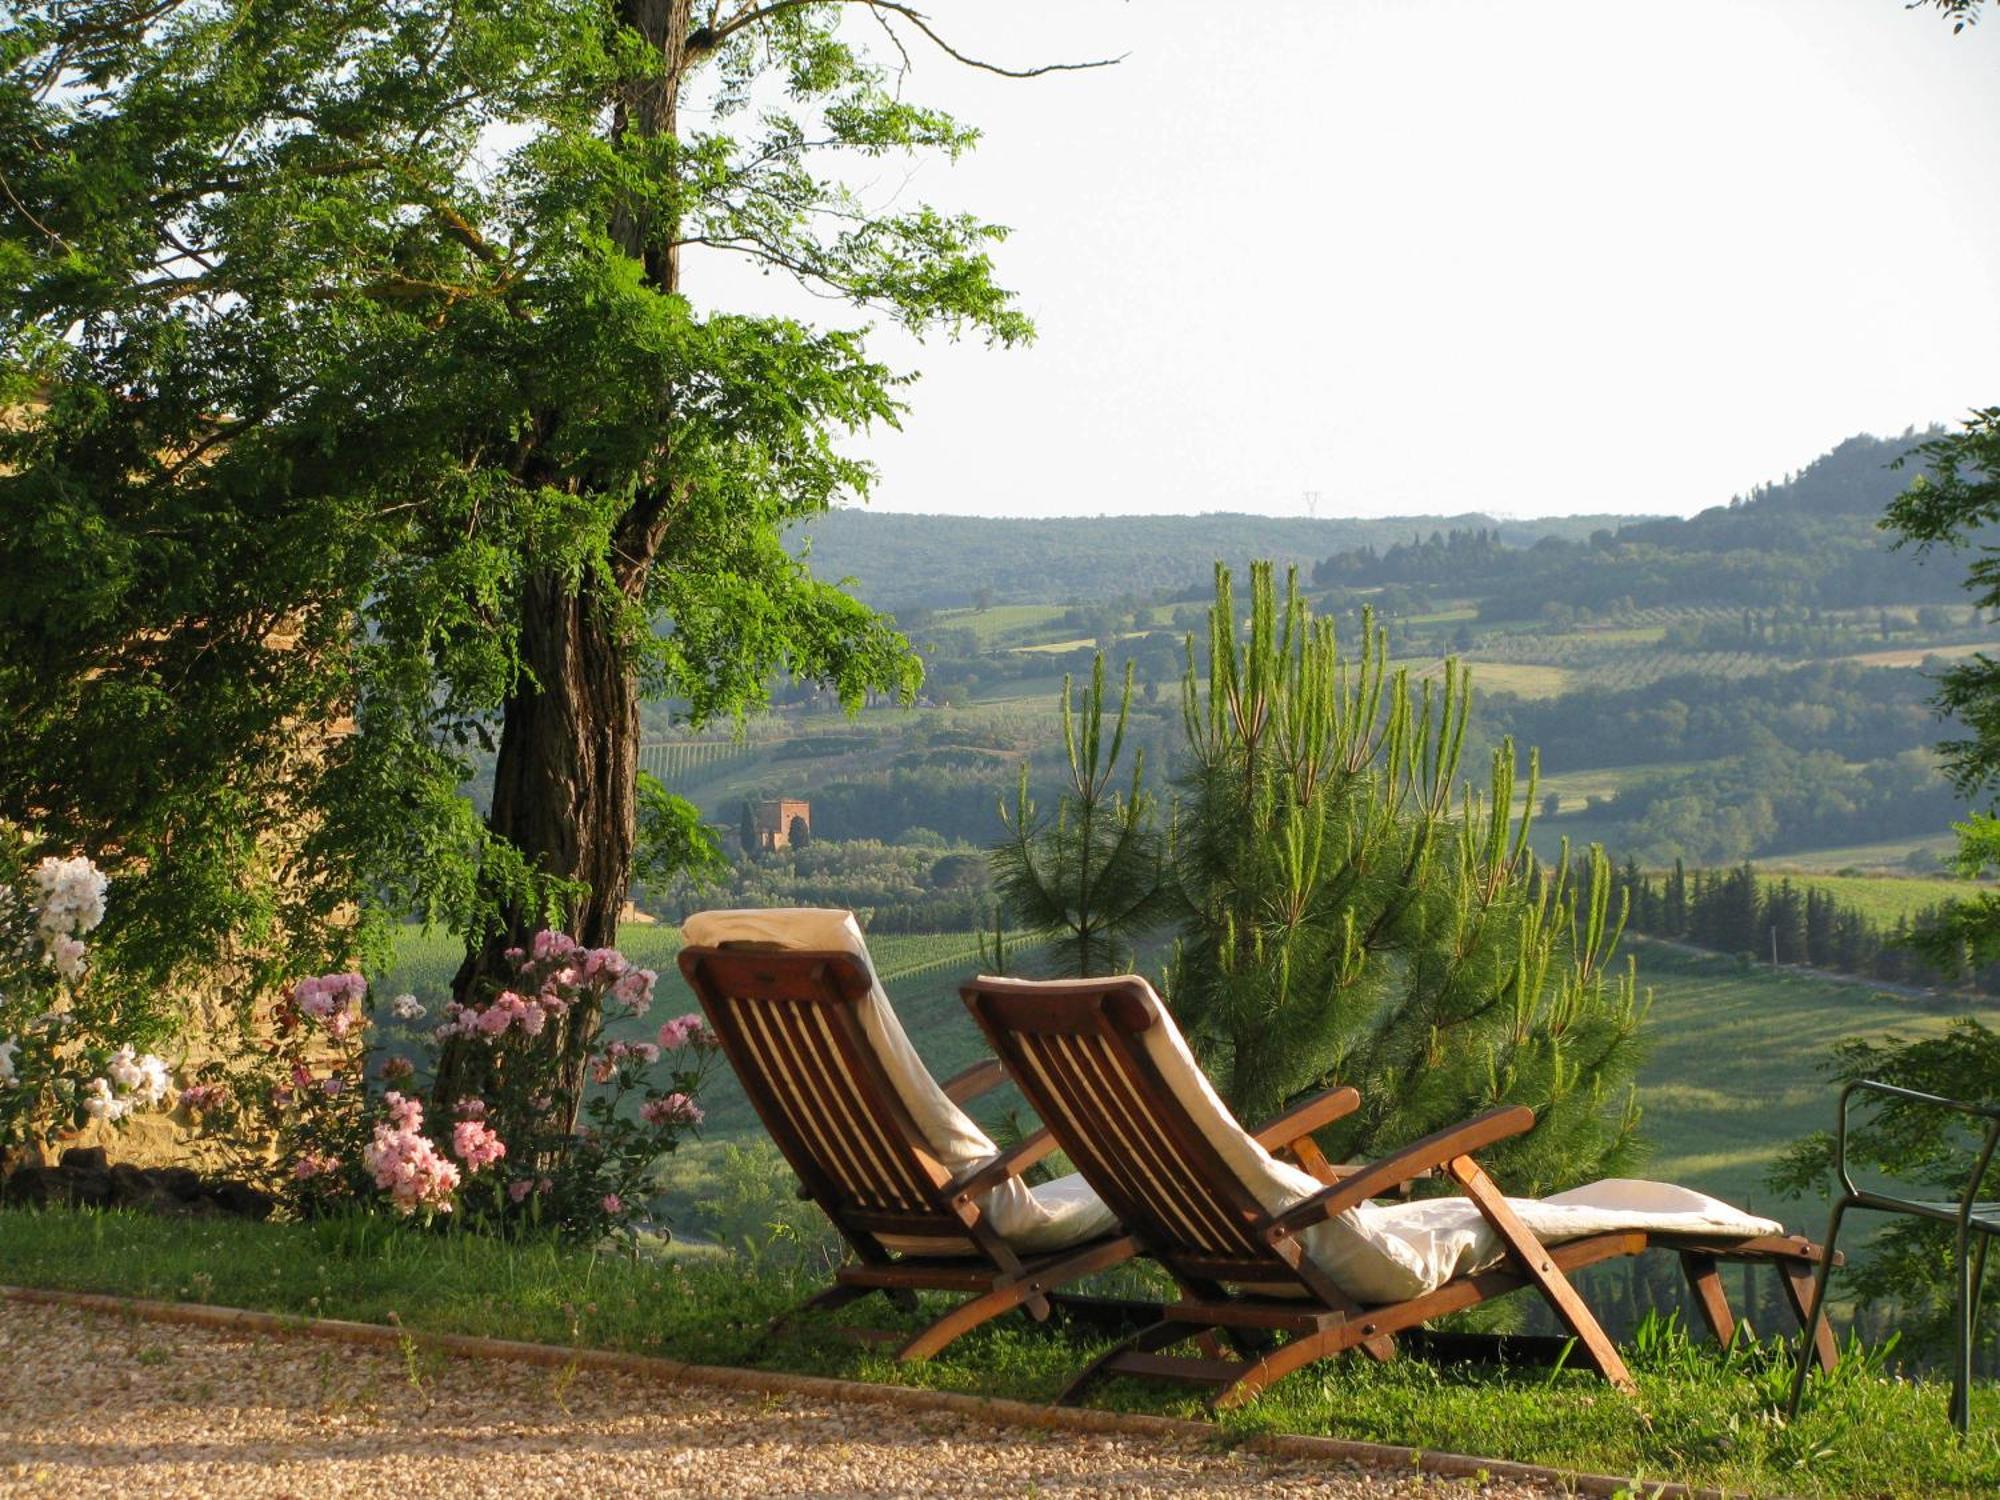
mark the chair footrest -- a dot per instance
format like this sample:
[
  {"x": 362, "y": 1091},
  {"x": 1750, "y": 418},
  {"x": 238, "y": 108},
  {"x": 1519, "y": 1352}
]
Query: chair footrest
[{"x": 1175, "y": 1367}]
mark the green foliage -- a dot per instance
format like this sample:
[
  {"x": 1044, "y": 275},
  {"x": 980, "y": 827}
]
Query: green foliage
[
  {"x": 1909, "y": 1274},
  {"x": 1353, "y": 917},
  {"x": 319, "y": 404},
  {"x": 676, "y": 852},
  {"x": 1092, "y": 878}
]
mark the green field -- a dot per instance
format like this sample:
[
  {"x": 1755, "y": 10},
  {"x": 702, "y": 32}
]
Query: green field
[
  {"x": 1734, "y": 1071},
  {"x": 1003, "y": 624},
  {"x": 1880, "y": 898},
  {"x": 1891, "y": 855}
]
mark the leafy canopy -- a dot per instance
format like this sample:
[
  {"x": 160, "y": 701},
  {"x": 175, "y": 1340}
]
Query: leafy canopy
[{"x": 327, "y": 329}]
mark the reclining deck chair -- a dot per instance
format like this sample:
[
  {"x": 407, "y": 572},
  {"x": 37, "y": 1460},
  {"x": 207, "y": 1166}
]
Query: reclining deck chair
[
  {"x": 921, "y": 1195},
  {"x": 1261, "y": 1248}
]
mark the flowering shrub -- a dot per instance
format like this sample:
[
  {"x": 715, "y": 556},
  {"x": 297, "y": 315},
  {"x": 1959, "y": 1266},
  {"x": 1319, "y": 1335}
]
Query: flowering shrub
[
  {"x": 60, "y": 1061},
  {"x": 337, "y": 1088}
]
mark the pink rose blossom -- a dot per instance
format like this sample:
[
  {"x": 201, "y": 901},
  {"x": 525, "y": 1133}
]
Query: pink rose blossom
[
  {"x": 613, "y": 1204},
  {"x": 397, "y": 1069},
  {"x": 673, "y": 1109},
  {"x": 519, "y": 1188},
  {"x": 476, "y": 1145},
  {"x": 332, "y": 1000},
  {"x": 405, "y": 1164},
  {"x": 312, "y": 1164},
  {"x": 332, "y": 1086},
  {"x": 690, "y": 1030},
  {"x": 199, "y": 1096}
]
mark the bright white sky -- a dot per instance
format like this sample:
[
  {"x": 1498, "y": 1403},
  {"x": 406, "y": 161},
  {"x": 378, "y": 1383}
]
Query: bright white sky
[{"x": 1524, "y": 256}]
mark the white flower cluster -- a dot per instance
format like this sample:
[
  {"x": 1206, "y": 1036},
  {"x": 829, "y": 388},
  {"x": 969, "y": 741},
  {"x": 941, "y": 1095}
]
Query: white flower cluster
[
  {"x": 407, "y": 1008},
  {"x": 8, "y": 1077},
  {"x": 72, "y": 900},
  {"x": 134, "y": 1081}
]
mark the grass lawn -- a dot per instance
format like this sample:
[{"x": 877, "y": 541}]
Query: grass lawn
[
  {"x": 1733, "y": 1075},
  {"x": 1698, "y": 1417}
]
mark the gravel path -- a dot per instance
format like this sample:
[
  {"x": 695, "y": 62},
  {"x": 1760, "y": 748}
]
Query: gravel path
[{"x": 92, "y": 1404}]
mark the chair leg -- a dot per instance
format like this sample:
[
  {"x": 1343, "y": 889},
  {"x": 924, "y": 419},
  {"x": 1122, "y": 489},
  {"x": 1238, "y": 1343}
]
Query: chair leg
[
  {"x": 1148, "y": 1340},
  {"x": 967, "y": 1316},
  {"x": 837, "y": 1295},
  {"x": 1279, "y": 1363},
  {"x": 1704, "y": 1279},
  {"x": 1811, "y": 1323},
  {"x": 1961, "y": 1364},
  {"x": 1796, "y": 1278}
]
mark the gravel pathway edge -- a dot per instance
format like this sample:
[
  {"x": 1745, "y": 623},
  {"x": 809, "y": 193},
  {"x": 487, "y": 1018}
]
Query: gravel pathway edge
[{"x": 769, "y": 1382}]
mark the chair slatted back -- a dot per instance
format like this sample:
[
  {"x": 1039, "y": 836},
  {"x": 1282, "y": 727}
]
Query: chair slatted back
[
  {"x": 1077, "y": 1055},
  {"x": 790, "y": 1024}
]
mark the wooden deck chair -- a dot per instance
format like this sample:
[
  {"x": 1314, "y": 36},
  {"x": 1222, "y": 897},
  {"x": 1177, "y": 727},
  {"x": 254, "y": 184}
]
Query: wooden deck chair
[
  {"x": 1261, "y": 1249},
  {"x": 843, "y": 1095}
]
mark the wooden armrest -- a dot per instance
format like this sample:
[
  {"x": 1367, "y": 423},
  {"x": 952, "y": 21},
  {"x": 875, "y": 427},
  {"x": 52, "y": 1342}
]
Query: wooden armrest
[
  {"x": 1303, "y": 1118},
  {"x": 1292, "y": 1131},
  {"x": 1412, "y": 1161},
  {"x": 1012, "y": 1162},
  {"x": 974, "y": 1081}
]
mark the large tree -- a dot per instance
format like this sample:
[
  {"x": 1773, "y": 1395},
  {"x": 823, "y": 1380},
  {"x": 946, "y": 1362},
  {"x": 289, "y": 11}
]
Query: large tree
[{"x": 357, "y": 417}]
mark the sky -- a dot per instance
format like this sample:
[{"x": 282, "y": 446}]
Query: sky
[{"x": 1530, "y": 257}]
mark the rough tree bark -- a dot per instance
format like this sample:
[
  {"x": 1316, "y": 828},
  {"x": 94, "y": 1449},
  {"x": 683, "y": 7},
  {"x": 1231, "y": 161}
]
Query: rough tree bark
[{"x": 564, "y": 790}]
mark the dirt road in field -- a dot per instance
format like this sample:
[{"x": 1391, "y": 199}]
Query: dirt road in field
[{"x": 95, "y": 1404}]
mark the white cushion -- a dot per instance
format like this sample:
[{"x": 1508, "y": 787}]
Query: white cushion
[
  {"x": 1050, "y": 1217},
  {"x": 1394, "y": 1251}
]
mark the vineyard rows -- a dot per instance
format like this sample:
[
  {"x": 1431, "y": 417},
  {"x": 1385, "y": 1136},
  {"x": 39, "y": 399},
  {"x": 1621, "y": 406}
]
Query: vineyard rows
[{"x": 677, "y": 761}]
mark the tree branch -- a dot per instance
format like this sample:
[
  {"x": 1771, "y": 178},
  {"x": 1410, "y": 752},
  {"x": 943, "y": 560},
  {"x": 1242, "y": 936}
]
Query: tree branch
[{"x": 752, "y": 13}]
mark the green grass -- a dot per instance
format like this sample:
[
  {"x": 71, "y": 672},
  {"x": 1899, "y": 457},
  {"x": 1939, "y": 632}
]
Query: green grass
[
  {"x": 1733, "y": 1075},
  {"x": 1880, "y": 898},
  {"x": 1698, "y": 1417},
  {"x": 1003, "y": 624},
  {"x": 1890, "y": 855}
]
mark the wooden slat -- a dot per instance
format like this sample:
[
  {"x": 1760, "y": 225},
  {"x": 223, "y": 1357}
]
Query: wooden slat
[{"x": 1178, "y": 1368}]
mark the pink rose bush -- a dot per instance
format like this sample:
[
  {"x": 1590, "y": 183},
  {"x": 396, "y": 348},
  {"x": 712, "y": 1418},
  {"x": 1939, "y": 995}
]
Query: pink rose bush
[{"x": 342, "y": 1096}]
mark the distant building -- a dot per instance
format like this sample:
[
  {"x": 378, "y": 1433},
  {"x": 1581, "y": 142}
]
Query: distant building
[{"x": 782, "y": 823}]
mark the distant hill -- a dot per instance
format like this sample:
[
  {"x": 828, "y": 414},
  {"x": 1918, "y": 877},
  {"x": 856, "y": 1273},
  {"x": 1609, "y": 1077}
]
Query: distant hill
[
  {"x": 1854, "y": 482},
  {"x": 1809, "y": 541},
  {"x": 938, "y": 562}
]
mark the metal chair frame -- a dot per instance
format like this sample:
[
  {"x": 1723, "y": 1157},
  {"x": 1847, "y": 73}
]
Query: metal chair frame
[{"x": 1968, "y": 1216}]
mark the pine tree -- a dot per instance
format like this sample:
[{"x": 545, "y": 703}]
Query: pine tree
[
  {"x": 1353, "y": 914},
  {"x": 1092, "y": 878}
]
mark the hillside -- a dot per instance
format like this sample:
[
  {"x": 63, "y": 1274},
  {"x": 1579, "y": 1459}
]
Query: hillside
[{"x": 939, "y": 562}]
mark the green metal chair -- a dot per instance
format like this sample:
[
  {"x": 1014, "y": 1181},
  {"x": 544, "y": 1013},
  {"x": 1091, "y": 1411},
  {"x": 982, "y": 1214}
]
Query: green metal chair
[{"x": 1968, "y": 1215}]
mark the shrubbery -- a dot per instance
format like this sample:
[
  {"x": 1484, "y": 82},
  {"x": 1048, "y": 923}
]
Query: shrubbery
[{"x": 336, "y": 1087}]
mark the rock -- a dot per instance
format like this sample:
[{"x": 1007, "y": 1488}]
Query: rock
[
  {"x": 130, "y": 1184},
  {"x": 28, "y": 1186},
  {"x": 182, "y": 1182},
  {"x": 86, "y": 1159},
  {"x": 240, "y": 1198},
  {"x": 82, "y": 1187}
]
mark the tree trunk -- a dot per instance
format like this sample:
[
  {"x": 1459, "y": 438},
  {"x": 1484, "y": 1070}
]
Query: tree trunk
[
  {"x": 565, "y": 784},
  {"x": 564, "y": 795}
]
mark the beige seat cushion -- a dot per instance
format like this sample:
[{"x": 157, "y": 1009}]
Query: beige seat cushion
[
  {"x": 1390, "y": 1252},
  {"x": 1050, "y": 1217}
]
